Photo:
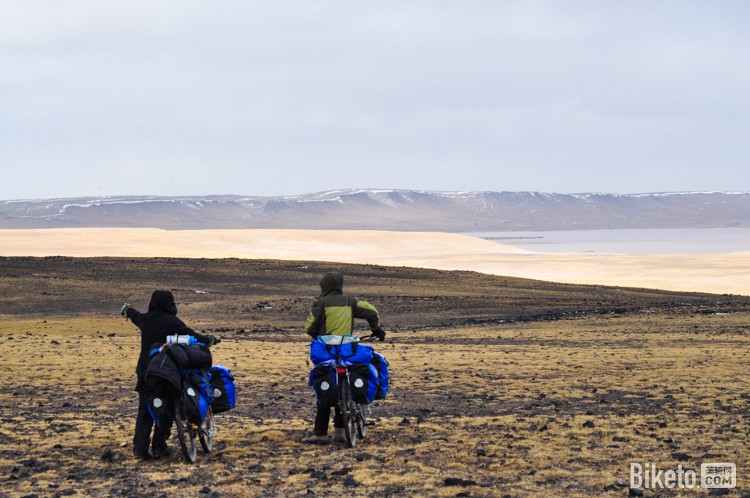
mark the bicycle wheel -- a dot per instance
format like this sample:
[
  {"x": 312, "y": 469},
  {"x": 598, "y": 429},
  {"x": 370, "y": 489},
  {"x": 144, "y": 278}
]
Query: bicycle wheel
[
  {"x": 206, "y": 432},
  {"x": 346, "y": 403},
  {"x": 361, "y": 419},
  {"x": 185, "y": 433}
]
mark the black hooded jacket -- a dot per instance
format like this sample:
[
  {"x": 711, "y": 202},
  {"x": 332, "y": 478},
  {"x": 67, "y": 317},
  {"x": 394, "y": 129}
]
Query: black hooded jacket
[{"x": 160, "y": 321}]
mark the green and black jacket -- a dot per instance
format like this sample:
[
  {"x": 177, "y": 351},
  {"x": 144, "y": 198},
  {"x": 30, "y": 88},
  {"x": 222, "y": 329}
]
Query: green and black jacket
[{"x": 334, "y": 313}]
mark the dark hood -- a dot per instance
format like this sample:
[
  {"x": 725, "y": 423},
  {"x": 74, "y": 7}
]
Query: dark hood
[
  {"x": 332, "y": 282},
  {"x": 164, "y": 301}
]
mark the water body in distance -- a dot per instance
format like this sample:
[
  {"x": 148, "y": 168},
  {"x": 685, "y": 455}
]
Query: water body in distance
[{"x": 630, "y": 241}]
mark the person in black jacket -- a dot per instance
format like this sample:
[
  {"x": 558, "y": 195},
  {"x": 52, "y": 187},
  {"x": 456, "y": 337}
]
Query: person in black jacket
[{"x": 160, "y": 322}]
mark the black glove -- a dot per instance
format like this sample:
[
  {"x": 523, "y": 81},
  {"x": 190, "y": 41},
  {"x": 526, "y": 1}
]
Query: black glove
[
  {"x": 379, "y": 333},
  {"x": 124, "y": 309},
  {"x": 212, "y": 339}
]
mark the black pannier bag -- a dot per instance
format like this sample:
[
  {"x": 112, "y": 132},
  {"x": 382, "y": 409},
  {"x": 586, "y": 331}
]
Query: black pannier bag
[
  {"x": 322, "y": 378},
  {"x": 159, "y": 400},
  {"x": 363, "y": 379},
  {"x": 195, "y": 396}
]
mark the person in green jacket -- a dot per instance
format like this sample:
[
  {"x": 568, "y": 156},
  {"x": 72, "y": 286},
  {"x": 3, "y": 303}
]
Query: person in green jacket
[{"x": 333, "y": 313}]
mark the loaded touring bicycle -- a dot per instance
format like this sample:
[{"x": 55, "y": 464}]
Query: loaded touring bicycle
[
  {"x": 188, "y": 390},
  {"x": 349, "y": 375}
]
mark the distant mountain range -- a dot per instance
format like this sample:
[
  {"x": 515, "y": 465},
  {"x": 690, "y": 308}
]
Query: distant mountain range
[{"x": 406, "y": 210}]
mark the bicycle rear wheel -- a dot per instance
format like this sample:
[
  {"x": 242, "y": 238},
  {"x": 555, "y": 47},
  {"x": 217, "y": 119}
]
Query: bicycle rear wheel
[
  {"x": 185, "y": 433},
  {"x": 206, "y": 432},
  {"x": 348, "y": 413}
]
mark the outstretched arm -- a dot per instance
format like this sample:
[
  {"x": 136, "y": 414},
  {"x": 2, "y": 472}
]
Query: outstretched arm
[
  {"x": 129, "y": 312},
  {"x": 208, "y": 339}
]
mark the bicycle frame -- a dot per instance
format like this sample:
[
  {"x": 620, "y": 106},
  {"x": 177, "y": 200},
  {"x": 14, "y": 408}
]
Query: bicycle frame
[{"x": 353, "y": 414}]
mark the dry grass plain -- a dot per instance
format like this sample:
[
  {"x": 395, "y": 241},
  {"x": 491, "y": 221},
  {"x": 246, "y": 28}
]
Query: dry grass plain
[{"x": 501, "y": 386}]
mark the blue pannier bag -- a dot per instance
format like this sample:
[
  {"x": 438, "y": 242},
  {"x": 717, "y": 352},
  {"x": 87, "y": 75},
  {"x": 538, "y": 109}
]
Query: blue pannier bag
[
  {"x": 326, "y": 348},
  {"x": 363, "y": 378},
  {"x": 196, "y": 396},
  {"x": 323, "y": 381},
  {"x": 381, "y": 364},
  {"x": 224, "y": 393}
]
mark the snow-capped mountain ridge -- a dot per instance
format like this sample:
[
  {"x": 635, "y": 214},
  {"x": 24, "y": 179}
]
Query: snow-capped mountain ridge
[{"x": 390, "y": 209}]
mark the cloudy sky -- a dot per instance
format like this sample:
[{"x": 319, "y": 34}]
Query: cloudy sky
[{"x": 289, "y": 97}]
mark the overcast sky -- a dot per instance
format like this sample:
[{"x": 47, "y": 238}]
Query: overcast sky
[{"x": 289, "y": 97}]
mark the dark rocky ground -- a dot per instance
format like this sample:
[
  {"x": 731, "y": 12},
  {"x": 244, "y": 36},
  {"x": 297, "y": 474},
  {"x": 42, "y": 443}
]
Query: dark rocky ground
[{"x": 277, "y": 295}]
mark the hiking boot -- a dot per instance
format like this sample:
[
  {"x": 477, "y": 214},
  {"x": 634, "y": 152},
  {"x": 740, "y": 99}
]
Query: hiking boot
[
  {"x": 338, "y": 435},
  {"x": 141, "y": 455},
  {"x": 163, "y": 452},
  {"x": 316, "y": 439}
]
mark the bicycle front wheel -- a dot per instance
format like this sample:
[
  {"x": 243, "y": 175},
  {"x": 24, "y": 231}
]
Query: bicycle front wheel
[
  {"x": 361, "y": 420},
  {"x": 348, "y": 413},
  {"x": 206, "y": 432},
  {"x": 185, "y": 434}
]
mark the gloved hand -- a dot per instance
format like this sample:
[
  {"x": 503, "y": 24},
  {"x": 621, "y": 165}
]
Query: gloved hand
[
  {"x": 212, "y": 339},
  {"x": 379, "y": 333},
  {"x": 124, "y": 309}
]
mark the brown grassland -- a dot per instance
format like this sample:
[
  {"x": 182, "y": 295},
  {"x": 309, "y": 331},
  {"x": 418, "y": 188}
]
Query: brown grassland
[{"x": 501, "y": 386}]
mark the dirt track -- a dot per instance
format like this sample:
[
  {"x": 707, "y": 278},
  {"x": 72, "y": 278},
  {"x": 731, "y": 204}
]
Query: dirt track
[{"x": 494, "y": 379}]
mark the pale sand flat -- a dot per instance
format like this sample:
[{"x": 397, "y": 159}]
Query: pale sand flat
[{"x": 720, "y": 273}]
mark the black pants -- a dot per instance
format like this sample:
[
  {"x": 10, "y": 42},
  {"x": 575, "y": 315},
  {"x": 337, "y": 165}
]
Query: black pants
[
  {"x": 323, "y": 416},
  {"x": 143, "y": 424}
]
